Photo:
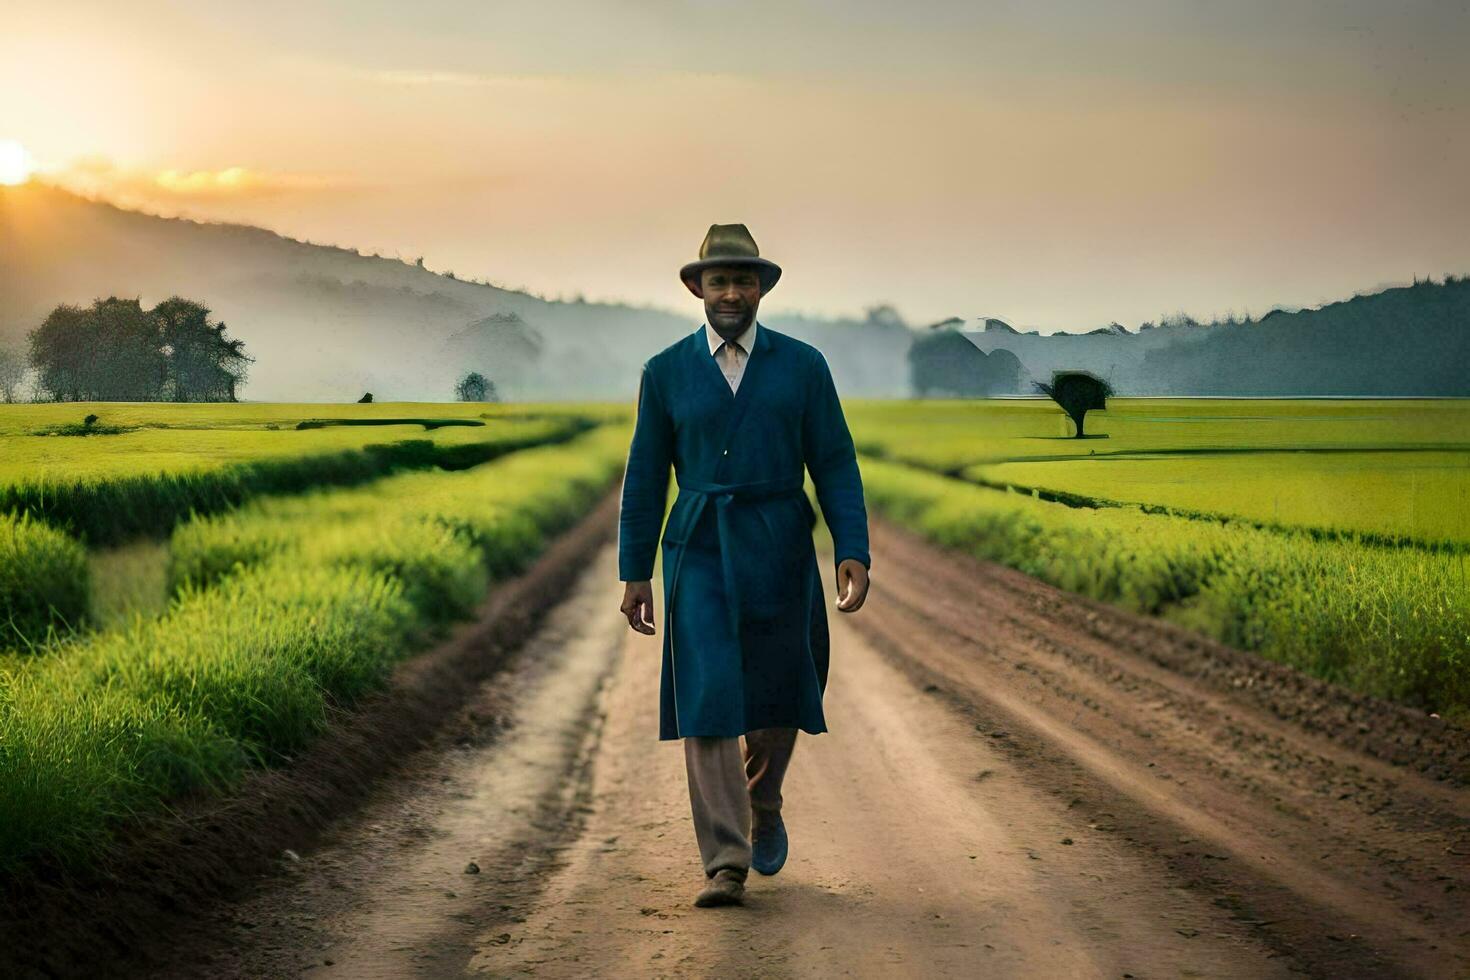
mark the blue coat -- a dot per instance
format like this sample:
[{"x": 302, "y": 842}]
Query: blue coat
[{"x": 745, "y": 641}]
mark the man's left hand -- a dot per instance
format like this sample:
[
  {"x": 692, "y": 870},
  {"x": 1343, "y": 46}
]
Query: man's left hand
[{"x": 852, "y": 585}]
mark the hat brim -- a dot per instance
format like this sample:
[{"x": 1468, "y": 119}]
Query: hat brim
[{"x": 768, "y": 271}]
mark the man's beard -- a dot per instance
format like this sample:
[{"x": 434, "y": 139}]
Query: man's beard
[{"x": 730, "y": 333}]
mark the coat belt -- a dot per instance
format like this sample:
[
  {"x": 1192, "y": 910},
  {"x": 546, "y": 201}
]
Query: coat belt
[{"x": 724, "y": 495}]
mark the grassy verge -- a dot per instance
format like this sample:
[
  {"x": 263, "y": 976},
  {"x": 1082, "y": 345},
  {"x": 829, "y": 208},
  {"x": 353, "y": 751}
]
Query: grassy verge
[
  {"x": 247, "y": 664},
  {"x": 44, "y": 581},
  {"x": 1393, "y": 622}
]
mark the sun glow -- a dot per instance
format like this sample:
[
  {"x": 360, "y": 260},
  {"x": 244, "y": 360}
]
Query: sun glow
[{"x": 15, "y": 163}]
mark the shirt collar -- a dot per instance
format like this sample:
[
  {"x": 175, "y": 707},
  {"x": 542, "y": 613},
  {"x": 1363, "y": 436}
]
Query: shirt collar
[{"x": 746, "y": 340}]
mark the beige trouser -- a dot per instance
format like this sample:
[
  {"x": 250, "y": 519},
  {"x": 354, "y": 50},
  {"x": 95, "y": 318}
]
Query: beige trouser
[{"x": 729, "y": 787}]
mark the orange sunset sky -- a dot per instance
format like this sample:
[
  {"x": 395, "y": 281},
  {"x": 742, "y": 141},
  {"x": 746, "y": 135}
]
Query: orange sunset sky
[{"x": 1059, "y": 165}]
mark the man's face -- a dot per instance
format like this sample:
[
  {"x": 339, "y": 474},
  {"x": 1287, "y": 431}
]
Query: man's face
[{"x": 731, "y": 295}]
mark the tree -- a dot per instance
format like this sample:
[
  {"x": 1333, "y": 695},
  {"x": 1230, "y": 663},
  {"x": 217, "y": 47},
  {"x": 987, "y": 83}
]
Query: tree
[
  {"x": 474, "y": 387},
  {"x": 12, "y": 372},
  {"x": 366, "y": 399},
  {"x": 203, "y": 364},
  {"x": 129, "y": 365},
  {"x": 106, "y": 352},
  {"x": 1077, "y": 392},
  {"x": 115, "y": 350}
]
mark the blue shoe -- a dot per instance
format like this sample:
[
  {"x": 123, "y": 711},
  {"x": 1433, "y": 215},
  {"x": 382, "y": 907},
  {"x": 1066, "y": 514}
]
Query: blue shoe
[{"x": 768, "y": 848}]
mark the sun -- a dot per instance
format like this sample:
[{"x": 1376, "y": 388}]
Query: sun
[{"x": 15, "y": 163}]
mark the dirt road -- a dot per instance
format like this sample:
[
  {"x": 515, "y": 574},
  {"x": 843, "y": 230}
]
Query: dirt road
[{"x": 1016, "y": 783}]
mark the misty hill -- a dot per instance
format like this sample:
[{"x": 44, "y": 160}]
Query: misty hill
[
  {"x": 1406, "y": 340},
  {"x": 326, "y": 323},
  {"x": 1410, "y": 340}
]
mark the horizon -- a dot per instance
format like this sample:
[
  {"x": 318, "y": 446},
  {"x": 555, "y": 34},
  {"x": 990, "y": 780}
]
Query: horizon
[
  {"x": 1054, "y": 166},
  {"x": 37, "y": 180}
]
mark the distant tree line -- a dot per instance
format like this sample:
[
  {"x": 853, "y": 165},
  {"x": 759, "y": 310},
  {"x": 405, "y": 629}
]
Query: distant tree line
[
  {"x": 1401, "y": 341},
  {"x": 1408, "y": 340},
  {"x": 115, "y": 350}
]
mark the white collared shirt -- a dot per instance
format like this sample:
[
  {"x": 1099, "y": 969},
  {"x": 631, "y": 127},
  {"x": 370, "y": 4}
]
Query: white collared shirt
[{"x": 732, "y": 368}]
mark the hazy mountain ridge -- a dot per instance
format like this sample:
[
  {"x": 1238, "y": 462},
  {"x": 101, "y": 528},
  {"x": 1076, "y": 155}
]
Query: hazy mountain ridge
[
  {"x": 322, "y": 322},
  {"x": 1403, "y": 340},
  {"x": 1408, "y": 340},
  {"x": 327, "y": 323}
]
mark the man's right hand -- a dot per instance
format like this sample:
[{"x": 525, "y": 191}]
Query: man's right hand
[{"x": 638, "y": 605}]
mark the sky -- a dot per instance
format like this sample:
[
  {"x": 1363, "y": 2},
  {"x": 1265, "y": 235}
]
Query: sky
[{"x": 1057, "y": 165}]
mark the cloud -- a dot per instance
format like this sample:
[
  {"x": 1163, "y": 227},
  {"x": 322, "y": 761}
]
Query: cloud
[
  {"x": 237, "y": 181},
  {"x": 101, "y": 177}
]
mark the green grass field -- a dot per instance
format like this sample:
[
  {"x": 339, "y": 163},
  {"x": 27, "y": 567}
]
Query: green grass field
[
  {"x": 1421, "y": 496},
  {"x": 1389, "y": 468},
  {"x": 167, "y": 458},
  {"x": 1392, "y": 621},
  {"x": 278, "y": 612},
  {"x": 163, "y": 436},
  {"x": 154, "y": 465},
  {"x": 193, "y": 594},
  {"x": 1330, "y": 535}
]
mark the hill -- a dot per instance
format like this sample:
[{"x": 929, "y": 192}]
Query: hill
[
  {"x": 327, "y": 323},
  {"x": 1405, "y": 340}
]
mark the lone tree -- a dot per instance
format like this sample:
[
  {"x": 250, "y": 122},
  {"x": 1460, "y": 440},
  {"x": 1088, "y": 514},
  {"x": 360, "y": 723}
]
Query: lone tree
[
  {"x": 475, "y": 387},
  {"x": 1078, "y": 392},
  {"x": 367, "y": 397}
]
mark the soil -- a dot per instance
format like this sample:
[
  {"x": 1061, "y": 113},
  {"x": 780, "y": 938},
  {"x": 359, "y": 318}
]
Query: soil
[{"x": 1017, "y": 782}]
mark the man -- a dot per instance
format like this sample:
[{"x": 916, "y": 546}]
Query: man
[{"x": 739, "y": 410}]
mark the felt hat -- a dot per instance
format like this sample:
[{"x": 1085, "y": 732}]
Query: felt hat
[{"x": 729, "y": 245}]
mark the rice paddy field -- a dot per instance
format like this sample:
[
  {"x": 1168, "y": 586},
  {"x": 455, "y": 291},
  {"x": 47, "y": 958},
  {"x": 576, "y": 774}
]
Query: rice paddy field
[
  {"x": 1330, "y": 535},
  {"x": 173, "y": 615},
  {"x": 189, "y": 591},
  {"x": 1398, "y": 470},
  {"x": 139, "y": 468}
]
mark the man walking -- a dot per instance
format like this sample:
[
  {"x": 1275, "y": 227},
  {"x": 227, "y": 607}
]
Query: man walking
[{"x": 738, "y": 410}]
